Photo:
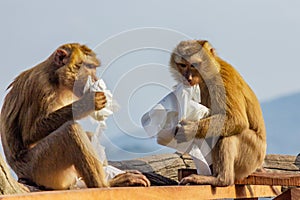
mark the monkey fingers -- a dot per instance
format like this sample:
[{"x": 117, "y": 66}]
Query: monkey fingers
[
  {"x": 187, "y": 131},
  {"x": 193, "y": 179},
  {"x": 185, "y": 122},
  {"x": 100, "y": 100},
  {"x": 180, "y": 137},
  {"x": 129, "y": 179}
]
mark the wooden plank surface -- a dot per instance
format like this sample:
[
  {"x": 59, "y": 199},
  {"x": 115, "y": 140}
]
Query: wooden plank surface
[
  {"x": 267, "y": 178},
  {"x": 168, "y": 164},
  {"x": 290, "y": 194},
  {"x": 162, "y": 192},
  {"x": 257, "y": 178}
]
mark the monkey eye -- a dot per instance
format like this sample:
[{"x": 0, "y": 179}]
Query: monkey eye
[
  {"x": 90, "y": 66},
  {"x": 195, "y": 64},
  {"x": 182, "y": 65},
  {"x": 79, "y": 63}
]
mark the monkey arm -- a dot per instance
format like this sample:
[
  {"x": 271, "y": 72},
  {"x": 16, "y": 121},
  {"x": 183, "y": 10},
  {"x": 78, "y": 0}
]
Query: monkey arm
[
  {"x": 221, "y": 125},
  {"x": 213, "y": 126},
  {"x": 230, "y": 117},
  {"x": 45, "y": 125}
]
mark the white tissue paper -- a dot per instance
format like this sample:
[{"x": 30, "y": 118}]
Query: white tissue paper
[
  {"x": 162, "y": 119},
  {"x": 101, "y": 116}
]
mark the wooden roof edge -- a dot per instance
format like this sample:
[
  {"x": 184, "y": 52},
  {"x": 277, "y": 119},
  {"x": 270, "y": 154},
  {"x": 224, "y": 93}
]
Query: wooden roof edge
[{"x": 155, "y": 192}]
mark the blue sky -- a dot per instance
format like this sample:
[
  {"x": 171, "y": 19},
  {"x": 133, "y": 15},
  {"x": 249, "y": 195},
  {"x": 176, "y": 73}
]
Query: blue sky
[{"x": 259, "y": 38}]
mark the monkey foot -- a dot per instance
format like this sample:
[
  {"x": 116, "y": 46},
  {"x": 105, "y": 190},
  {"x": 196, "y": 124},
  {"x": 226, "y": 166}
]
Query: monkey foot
[{"x": 195, "y": 179}]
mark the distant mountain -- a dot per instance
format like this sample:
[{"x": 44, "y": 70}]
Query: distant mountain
[
  {"x": 126, "y": 147},
  {"x": 282, "y": 119}
]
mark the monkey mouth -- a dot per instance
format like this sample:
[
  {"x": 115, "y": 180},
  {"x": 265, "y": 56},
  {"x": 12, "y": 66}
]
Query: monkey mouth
[
  {"x": 191, "y": 84},
  {"x": 188, "y": 83}
]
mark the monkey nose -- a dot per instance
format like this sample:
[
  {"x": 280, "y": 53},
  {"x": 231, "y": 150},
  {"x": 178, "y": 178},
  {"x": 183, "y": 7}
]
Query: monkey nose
[{"x": 189, "y": 78}]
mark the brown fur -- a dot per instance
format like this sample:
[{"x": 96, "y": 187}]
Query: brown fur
[
  {"x": 41, "y": 141},
  {"x": 236, "y": 117}
]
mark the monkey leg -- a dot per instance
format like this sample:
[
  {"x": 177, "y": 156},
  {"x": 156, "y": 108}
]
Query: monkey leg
[
  {"x": 234, "y": 158},
  {"x": 223, "y": 154},
  {"x": 65, "y": 154},
  {"x": 251, "y": 154}
]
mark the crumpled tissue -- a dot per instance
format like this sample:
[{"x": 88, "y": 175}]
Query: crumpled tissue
[
  {"x": 101, "y": 115},
  {"x": 161, "y": 121}
]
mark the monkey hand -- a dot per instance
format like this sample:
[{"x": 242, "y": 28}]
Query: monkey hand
[
  {"x": 186, "y": 131},
  {"x": 94, "y": 100},
  {"x": 100, "y": 100},
  {"x": 91, "y": 101},
  {"x": 130, "y": 178}
]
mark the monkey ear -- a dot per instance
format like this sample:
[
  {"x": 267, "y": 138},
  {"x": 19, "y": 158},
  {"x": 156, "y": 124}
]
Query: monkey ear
[
  {"x": 59, "y": 57},
  {"x": 213, "y": 52}
]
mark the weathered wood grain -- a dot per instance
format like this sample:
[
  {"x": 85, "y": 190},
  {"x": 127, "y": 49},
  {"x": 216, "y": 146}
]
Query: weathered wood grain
[
  {"x": 162, "y": 192},
  {"x": 168, "y": 164}
]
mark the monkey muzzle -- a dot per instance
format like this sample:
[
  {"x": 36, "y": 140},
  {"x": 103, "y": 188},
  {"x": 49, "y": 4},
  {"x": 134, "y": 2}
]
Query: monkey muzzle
[{"x": 188, "y": 79}]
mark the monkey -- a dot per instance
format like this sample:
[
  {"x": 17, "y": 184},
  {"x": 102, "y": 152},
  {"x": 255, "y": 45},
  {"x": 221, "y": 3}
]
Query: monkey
[
  {"x": 42, "y": 141},
  {"x": 236, "y": 119}
]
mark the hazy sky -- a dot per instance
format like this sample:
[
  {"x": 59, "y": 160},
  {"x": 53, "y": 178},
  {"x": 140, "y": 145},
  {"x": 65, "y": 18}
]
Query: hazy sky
[{"x": 260, "y": 38}]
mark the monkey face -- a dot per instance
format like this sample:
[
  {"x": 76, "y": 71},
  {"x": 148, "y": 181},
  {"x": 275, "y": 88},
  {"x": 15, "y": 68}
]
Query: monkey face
[
  {"x": 188, "y": 67},
  {"x": 195, "y": 61},
  {"x": 190, "y": 75},
  {"x": 76, "y": 62}
]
